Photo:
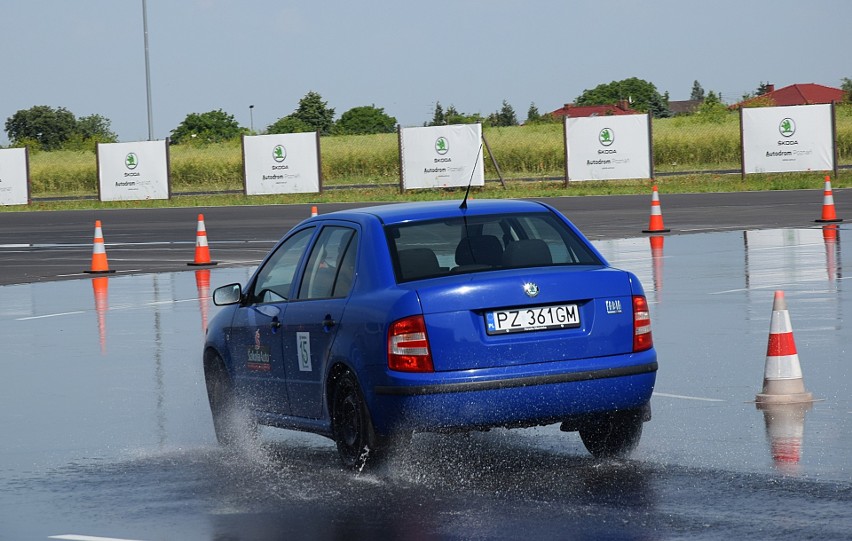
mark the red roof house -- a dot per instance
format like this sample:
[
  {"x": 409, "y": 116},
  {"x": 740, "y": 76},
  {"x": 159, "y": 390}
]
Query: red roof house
[
  {"x": 576, "y": 111},
  {"x": 800, "y": 94}
]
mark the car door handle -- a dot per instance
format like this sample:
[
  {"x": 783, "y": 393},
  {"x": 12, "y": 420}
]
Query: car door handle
[
  {"x": 328, "y": 322},
  {"x": 276, "y": 323}
]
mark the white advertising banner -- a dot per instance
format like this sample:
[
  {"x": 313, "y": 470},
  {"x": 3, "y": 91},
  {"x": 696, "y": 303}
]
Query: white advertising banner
[
  {"x": 14, "y": 176},
  {"x": 442, "y": 156},
  {"x": 281, "y": 163},
  {"x": 784, "y": 139},
  {"x": 608, "y": 147},
  {"x": 133, "y": 171}
]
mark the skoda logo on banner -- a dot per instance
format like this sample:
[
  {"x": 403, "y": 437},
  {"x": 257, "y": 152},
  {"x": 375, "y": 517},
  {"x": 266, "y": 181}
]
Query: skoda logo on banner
[
  {"x": 787, "y": 127},
  {"x": 279, "y": 153},
  {"x": 606, "y": 137},
  {"x": 442, "y": 146},
  {"x": 131, "y": 161}
]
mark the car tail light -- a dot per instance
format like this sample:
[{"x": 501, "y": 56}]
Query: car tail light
[
  {"x": 641, "y": 325},
  {"x": 408, "y": 346}
]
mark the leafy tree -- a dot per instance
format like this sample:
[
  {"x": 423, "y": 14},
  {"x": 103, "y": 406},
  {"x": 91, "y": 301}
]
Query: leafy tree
[
  {"x": 288, "y": 124},
  {"x": 697, "y": 91},
  {"x": 643, "y": 96},
  {"x": 96, "y": 127},
  {"x": 364, "y": 120},
  {"x": 42, "y": 124},
  {"x": 209, "y": 127},
  {"x": 846, "y": 86},
  {"x": 712, "y": 110},
  {"x": 453, "y": 116},
  {"x": 762, "y": 88},
  {"x": 533, "y": 115},
  {"x": 438, "y": 118},
  {"x": 315, "y": 113},
  {"x": 504, "y": 117}
]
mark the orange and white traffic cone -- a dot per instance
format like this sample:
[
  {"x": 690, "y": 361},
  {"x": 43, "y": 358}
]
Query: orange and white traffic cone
[
  {"x": 100, "y": 265},
  {"x": 655, "y": 224},
  {"x": 829, "y": 214},
  {"x": 202, "y": 249},
  {"x": 313, "y": 211},
  {"x": 782, "y": 379}
]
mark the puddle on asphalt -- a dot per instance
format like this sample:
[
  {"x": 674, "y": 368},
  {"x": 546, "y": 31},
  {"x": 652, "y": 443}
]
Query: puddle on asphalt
[{"x": 107, "y": 366}]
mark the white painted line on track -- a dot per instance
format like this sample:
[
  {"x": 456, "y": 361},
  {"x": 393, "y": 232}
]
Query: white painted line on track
[
  {"x": 696, "y": 229},
  {"x": 111, "y": 308},
  {"x": 73, "y": 537},
  {"x": 58, "y": 314},
  {"x": 683, "y": 397}
]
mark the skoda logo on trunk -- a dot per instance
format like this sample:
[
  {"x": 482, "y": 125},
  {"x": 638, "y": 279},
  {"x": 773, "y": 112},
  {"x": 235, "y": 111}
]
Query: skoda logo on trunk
[{"x": 530, "y": 289}]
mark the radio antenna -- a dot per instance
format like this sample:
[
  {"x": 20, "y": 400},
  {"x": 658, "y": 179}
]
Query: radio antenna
[{"x": 469, "y": 182}]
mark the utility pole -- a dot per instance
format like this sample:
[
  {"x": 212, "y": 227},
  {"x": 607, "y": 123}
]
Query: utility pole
[{"x": 147, "y": 70}]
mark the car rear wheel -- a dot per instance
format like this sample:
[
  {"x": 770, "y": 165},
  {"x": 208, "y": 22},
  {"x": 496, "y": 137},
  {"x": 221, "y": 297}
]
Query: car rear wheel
[
  {"x": 232, "y": 422},
  {"x": 613, "y": 435},
  {"x": 351, "y": 425}
]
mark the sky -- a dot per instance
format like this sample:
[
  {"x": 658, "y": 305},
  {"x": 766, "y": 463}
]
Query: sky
[{"x": 89, "y": 56}]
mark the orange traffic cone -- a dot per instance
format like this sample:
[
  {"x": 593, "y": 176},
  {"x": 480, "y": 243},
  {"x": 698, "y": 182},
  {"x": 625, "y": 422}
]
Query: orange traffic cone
[
  {"x": 313, "y": 211},
  {"x": 202, "y": 250},
  {"x": 829, "y": 214},
  {"x": 782, "y": 380},
  {"x": 99, "y": 257},
  {"x": 655, "y": 224}
]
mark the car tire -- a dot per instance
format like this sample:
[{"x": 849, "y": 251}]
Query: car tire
[
  {"x": 351, "y": 425},
  {"x": 232, "y": 423},
  {"x": 613, "y": 435}
]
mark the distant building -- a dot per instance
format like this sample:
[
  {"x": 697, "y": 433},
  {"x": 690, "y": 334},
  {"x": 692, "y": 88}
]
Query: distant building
[
  {"x": 577, "y": 111},
  {"x": 799, "y": 94},
  {"x": 684, "y": 107}
]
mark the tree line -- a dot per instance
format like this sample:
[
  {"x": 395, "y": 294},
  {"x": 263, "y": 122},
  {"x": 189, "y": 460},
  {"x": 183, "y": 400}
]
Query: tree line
[{"x": 47, "y": 128}]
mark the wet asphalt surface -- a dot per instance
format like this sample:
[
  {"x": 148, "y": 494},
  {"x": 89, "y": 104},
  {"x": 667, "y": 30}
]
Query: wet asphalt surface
[{"x": 105, "y": 430}]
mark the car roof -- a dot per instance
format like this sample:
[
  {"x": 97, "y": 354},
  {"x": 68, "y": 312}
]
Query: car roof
[{"x": 402, "y": 212}]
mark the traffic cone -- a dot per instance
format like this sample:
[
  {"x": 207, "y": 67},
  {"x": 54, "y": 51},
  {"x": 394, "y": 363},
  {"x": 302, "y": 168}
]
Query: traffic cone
[
  {"x": 313, "y": 211},
  {"x": 782, "y": 379},
  {"x": 655, "y": 224},
  {"x": 202, "y": 250},
  {"x": 829, "y": 214},
  {"x": 100, "y": 265}
]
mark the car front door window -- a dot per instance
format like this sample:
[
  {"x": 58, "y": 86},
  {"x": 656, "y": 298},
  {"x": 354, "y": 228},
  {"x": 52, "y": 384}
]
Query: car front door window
[{"x": 275, "y": 280}]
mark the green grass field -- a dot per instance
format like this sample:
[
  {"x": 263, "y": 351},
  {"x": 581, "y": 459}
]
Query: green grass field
[{"x": 531, "y": 159}]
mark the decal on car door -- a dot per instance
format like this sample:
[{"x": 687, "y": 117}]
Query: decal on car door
[
  {"x": 303, "y": 347},
  {"x": 258, "y": 358}
]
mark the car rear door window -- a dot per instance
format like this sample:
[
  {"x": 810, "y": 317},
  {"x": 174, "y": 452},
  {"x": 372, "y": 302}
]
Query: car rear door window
[{"x": 331, "y": 265}]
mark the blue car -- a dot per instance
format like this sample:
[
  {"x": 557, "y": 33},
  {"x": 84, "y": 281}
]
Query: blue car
[{"x": 368, "y": 325}]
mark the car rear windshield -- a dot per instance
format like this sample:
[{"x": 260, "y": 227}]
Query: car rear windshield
[{"x": 482, "y": 243}]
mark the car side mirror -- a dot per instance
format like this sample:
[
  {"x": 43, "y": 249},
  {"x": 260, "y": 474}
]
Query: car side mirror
[{"x": 229, "y": 294}]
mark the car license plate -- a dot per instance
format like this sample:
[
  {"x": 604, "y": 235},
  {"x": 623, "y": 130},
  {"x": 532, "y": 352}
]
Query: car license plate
[{"x": 536, "y": 318}]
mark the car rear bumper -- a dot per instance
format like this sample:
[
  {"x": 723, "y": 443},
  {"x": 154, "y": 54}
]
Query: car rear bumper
[{"x": 519, "y": 399}]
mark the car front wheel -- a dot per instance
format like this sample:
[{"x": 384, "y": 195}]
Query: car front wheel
[
  {"x": 232, "y": 423},
  {"x": 613, "y": 435}
]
